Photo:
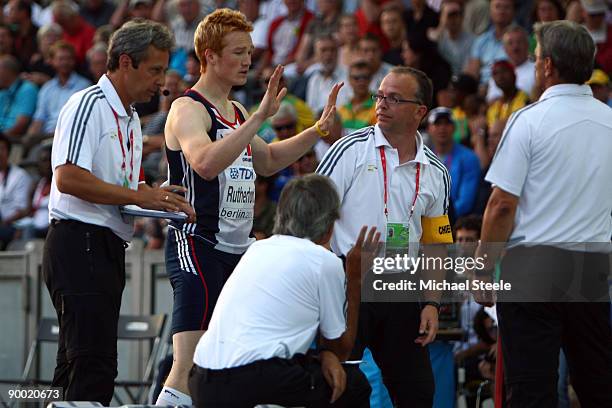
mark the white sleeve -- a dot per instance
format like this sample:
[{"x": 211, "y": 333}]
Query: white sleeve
[
  {"x": 339, "y": 162},
  {"x": 77, "y": 135},
  {"x": 510, "y": 164},
  {"x": 332, "y": 298}
]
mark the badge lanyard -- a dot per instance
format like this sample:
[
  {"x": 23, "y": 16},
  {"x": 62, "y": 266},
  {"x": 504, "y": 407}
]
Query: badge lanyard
[
  {"x": 130, "y": 149},
  {"x": 383, "y": 159}
]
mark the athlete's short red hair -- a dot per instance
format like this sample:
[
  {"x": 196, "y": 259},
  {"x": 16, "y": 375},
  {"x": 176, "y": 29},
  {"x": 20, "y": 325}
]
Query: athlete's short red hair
[{"x": 214, "y": 27}]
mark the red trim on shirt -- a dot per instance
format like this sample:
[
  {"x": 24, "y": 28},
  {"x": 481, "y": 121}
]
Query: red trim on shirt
[{"x": 195, "y": 259}]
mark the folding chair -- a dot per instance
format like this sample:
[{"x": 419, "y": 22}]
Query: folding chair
[
  {"x": 48, "y": 332},
  {"x": 140, "y": 328}
]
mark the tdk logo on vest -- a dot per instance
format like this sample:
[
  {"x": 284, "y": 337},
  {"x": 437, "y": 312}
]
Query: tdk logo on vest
[
  {"x": 445, "y": 229},
  {"x": 241, "y": 173}
]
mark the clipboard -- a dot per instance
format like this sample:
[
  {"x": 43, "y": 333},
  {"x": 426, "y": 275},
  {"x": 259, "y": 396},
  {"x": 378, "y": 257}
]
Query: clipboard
[{"x": 136, "y": 211}]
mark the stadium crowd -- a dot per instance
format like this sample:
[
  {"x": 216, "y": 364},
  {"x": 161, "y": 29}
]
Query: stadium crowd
[{"x": 478, "y": 54}]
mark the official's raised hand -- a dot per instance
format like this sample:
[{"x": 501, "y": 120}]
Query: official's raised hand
[
  {"x": 328, "y": 116},
  {"x": 359, "y": 258},
  {"x": 273, "y": 97}
]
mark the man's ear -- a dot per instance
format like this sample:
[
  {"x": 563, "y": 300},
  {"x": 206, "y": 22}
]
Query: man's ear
[
  {"x": 125, "y": 61},
  {"x": 211, "y": 56}
]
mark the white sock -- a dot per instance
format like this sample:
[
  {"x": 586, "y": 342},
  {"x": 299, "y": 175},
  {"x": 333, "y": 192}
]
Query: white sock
[{"x": 171, "y": 397}]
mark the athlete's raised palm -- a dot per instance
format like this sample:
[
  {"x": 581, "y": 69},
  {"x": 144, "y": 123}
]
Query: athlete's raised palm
[{"x": 273, "y": 97}]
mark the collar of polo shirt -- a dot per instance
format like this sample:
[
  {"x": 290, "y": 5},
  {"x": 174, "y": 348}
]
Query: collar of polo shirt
[
  {"x": 381, "y": 140},
  {"x": 112, "y": 97}
]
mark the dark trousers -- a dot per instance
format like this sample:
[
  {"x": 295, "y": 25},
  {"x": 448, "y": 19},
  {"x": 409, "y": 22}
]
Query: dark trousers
[
  {"x": 389, "y": 331},
  {"x": 84, "y": 269},
  {"x": 295, "y": 382},
  {"x": 533, "y": 333}
]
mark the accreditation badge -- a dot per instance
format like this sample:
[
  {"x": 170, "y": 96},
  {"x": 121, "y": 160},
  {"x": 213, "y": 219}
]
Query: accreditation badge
[{"x": 397, "y": 242}]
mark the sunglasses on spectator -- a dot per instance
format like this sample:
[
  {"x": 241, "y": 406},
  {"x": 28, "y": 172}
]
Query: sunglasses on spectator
[
  {"x": 288, "y": 126},
  {"x": 360, "y": 77}
]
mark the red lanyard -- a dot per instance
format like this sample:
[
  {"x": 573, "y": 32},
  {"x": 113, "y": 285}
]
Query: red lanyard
[
  {"x": 130, "y": 148},
  {"x": 42, "y": 190},
  {"x": 383, "y": 159}
]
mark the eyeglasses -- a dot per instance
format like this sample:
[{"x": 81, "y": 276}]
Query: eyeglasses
[
  {"x": 288, "y": 126},
  {"x": 394, "y": 100},
  {"x": 360, "y": 77}
]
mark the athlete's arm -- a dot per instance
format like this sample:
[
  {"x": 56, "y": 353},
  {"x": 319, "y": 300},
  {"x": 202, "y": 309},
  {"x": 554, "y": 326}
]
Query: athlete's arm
[
  {"x": 270, "y": 158},
  {"x": 187, "y": 126}
]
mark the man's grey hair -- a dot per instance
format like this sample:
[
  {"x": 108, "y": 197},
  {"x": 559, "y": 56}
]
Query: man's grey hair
[
  {"x": 134, "y": 39},
  {"x": 49, "y": 28},
  {"x": 570, "y": 47},
  {"x": 307, "y": 208},
  {"x": 285, "y": 110},
  {"x": 65, "y": 8},
  {"x": 517, "y": 28},
  {"x": 97, "y": 47}
]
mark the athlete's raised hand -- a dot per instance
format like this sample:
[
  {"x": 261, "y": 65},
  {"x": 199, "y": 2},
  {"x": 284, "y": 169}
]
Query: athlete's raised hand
[
  {"x": 273, "y": 97},
  {"x": 328, "y": 116}
]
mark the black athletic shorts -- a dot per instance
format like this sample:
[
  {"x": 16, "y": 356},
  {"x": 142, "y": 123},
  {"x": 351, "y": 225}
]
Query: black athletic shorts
[{"x": 197, "y": 273}]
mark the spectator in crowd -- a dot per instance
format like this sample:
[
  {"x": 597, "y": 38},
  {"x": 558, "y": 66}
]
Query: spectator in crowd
[
  {"x": 305, "y": 118},
  {"x": 392, "y": 26},
  {"x": 488, "y": 47},
  {"x": 600, "y": 86},
  {"x": 284, "y": 291},
  {"x": 512, "y": 98},
  {"x": 55, "y": 93},
  {"x": 477, "y": 19},
  {"x": 420, "y": 17},
  {"x": 545, "y": 11},
  {"x": 264, "y": 209},
  {"x": 193, "y": 69},
  {"x": 284, "y": 123},
  {"x": 461, "y": 162},
  {"x": 103, "y": 34},
  {"x": 307, "y": 164},
  {"x": 40, "y": 66},
  {"x": 96, "y": 61},
  {"x": 185, "y": 23},
  {"x": 97, "y": 12},
  {"x": 370, "y": 50},
  {"x": 420, "y": 53},
  {"x": 17, "y": 99},
  {"x": 368, "y": 18},
  {"x": 153, "y": 131},
  {"x": 7, "y": 40},
  {"x": 20, "y": 17},
  {"x": 461, "y": 87},
  {"x": 574, "y": 12},
  {"x": 594, "y": 12},
  {"x": 252, "y": 10},
  {"x": 38, "y": 208},
  {"x": 131, "y": 9},
  {"x": 335, "y": 133},
  {"x": 359, "y": 112},
  {"x": 326, "y": 23},
  {"x": 348, "y": 37},
  {"x": 454, "y": 42},
  {"x": 516, "y": 46},
  {"x": 14, "y": 188},
  {"x": 485, "y": 147},
  {"x": 328, "y": 73},
  {"x": 77, "y": 31},
  {"x": 285, "y": 34},
  {"x": 208, "y": 6}
]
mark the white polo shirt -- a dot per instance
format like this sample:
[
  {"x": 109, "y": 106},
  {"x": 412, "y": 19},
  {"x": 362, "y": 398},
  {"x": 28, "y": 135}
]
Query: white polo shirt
[
  {"x": 354, "y": 163},
  {"x": 282, "y": 291},
  {"x": 555, "y": 155},
  {"x": 87, "y": 136}
]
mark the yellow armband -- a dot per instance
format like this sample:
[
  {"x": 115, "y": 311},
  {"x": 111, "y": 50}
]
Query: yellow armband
[{"x": 436, "y": 230}]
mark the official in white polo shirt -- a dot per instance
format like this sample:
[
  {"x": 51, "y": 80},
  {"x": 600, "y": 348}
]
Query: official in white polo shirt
[
  {"x": 387, "y": 177},
  {"x": 285, "y": 290},
  {"x": 552, "y": 202},
  {"x": 96, "y": 168}
]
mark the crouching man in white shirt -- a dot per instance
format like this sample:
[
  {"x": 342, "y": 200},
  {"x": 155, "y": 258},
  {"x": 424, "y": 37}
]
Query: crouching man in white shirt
[{"x": 283, "y": 291}]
